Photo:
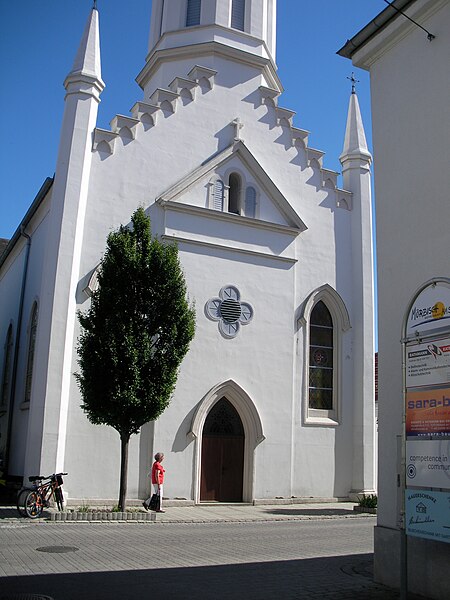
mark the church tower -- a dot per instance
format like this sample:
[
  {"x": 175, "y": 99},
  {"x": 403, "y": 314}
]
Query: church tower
[
  {"x": 57, "y": 314},
  {"x": 241, "y": 31},
  {"x": 356, "y": 161}
]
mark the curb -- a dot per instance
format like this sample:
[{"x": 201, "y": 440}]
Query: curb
[
  {"x": 364, "y": 509},
  {"x": 102, "y": 516}
]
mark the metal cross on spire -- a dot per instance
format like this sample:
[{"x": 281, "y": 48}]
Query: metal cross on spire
[{"x": 354, "y": 81}]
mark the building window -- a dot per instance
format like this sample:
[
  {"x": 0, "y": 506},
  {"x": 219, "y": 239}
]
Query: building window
[
  {"x": 321, "y": 358},
  {"x": 325, "y": 321},
  {"x": 238, "y": 14},
  {"x": 6, "y": 377},
  {"x": 31, "y": 346},
  {"x": 193, "y": 13},
  {"x": 234, "y": 194},
  {"x": 218, "y": 188},
  {"x": 250, "y": 202}
]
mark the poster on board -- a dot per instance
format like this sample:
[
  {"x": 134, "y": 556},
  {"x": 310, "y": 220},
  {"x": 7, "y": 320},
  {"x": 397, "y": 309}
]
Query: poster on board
[
  {"x": 428, "y": 412},
  {"x": 428, "y": 515},
  {"x": 428, "y": 364},
  {"x": 428, "y": 463}
]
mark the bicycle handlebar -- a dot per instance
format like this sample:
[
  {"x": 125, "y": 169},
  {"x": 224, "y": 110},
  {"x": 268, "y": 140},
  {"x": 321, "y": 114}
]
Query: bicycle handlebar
[{"x": 43, "y": 477}]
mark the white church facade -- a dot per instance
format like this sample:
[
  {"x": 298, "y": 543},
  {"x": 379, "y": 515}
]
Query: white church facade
[{"x": 275, "y": 398}]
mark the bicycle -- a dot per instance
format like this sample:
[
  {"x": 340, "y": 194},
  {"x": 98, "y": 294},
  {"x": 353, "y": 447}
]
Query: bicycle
[{"x": 31, "y": 501}]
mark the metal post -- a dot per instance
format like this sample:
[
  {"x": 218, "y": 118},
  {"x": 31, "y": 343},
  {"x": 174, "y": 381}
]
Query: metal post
[{"x": 403, "y": 539}]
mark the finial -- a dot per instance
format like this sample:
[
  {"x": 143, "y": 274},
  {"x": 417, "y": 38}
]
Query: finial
[
  {"x": 238, "y": 125},
  {"x": 94, "y": 6},
  {"x": 354, "y": 81}
]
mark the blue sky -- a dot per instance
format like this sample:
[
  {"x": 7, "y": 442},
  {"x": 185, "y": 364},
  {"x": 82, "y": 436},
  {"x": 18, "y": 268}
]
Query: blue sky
[{"x": 39, "y": 40}]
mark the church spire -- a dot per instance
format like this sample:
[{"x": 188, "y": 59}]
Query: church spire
[
  {"x": 355, "y": 144},
  {"x": 87, "y": 66}
]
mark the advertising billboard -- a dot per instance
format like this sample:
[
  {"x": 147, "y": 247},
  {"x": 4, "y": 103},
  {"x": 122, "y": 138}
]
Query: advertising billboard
[
  {"x": 428, "y": 412},
  {"x": 428, "y": 364},
  {"x": 428, "y": 515}
]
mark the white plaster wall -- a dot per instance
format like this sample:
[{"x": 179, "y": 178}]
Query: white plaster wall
[
  {"x": 262, "y": 357},
  {"x": 10, "y": 288},
  {"x": 411, "y": 123}
]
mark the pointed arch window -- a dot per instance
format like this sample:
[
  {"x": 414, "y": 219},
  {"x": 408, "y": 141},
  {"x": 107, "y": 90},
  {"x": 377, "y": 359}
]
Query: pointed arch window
[
  {"x": 193, "y": 12},
  {"x": 238, "y": 14},
  {"x": 6, "y": 377},
  {"x": 321, "y": 358},
  {"x": 31, "y": 347},
  {"x": 250, "y": 202}
]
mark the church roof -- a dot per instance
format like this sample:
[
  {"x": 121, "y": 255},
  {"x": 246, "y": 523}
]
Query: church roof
[{"x": 45, "y": 188}]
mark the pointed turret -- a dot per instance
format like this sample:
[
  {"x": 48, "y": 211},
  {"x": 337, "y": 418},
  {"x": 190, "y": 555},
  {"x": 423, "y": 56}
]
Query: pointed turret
[
  {"x": 355, "y": 144},
  {"x": 356, "y": 160},
  {"x": 54, "y": 349},
  {"x": 87, "y": 67}
]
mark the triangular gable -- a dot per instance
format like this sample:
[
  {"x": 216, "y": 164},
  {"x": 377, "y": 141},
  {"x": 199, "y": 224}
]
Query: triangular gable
[{"x": 239, "y": 149}]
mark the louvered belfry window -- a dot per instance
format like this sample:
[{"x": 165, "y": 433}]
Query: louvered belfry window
[
  {"x": 250, "y": 202},
  {"x": 218, "y": 194},
  {"x": 321, "y": 358},
  {"x": 238, "y": 14},
  {"x": 193, "y": 13}
]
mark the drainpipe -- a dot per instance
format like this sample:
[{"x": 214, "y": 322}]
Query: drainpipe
[{"x": 12, "y": 392}]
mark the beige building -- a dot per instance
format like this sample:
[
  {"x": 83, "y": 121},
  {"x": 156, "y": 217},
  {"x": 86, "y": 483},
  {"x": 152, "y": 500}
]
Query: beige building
[{"x": 408, "y": 56}]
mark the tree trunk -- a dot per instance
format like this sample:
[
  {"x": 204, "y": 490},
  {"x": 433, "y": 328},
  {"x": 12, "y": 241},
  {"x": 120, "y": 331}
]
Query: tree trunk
[{"x": 124, "y": 439}]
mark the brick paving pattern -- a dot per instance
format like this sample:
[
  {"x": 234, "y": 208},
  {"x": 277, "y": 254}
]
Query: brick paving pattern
[{"x": 219, "y": 552}]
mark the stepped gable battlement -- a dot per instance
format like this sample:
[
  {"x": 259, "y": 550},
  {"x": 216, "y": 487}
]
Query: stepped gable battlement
[{"x": 168, "y": 101}]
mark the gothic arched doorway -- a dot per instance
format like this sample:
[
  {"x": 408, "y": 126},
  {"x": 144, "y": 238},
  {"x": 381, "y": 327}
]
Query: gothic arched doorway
[{"x": 222, "y": 462}]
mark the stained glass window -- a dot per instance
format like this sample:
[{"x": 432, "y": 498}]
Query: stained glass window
[{"x": 321, "y": 358}]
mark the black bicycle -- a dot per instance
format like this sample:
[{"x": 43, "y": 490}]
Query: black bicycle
[{"x": 31, "y": 501}]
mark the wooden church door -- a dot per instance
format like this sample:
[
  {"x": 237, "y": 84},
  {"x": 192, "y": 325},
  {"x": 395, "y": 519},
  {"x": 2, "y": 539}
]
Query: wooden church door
[{"x": 222, "y": 454}]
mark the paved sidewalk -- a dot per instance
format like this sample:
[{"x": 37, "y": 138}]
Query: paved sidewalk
[{"x": 239, "y": 513}]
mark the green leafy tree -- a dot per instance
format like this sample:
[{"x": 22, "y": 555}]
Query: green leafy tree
[{"x": 135, "y": 334}]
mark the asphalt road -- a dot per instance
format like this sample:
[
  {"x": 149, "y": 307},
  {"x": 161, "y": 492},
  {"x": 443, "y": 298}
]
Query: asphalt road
[{"x": 326, "y": 559}]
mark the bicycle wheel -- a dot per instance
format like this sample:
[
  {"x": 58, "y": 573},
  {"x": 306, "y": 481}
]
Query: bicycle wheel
[
  {"x": 59, "y": 498},
  {"x": 21, "y": 496},
  {"x": 34, "y": 504}
]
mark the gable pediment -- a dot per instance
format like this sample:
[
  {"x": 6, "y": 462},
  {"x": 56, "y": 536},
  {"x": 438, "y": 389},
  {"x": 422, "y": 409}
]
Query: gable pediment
[{"x": 199, "y": 191}]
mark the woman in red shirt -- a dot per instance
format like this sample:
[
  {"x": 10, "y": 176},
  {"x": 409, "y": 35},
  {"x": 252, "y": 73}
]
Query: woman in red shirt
[{"x": 157, "y": 480}]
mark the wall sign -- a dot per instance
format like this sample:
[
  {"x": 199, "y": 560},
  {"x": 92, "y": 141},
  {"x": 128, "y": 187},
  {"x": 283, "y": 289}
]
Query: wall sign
[
  {"x": 428, "y": 463},
  {"x": 430, "y": 310},
  {"x": 428, "y": 514},
  {"x": 428, "y": 364},
  {"x": 428, "y": 412}
]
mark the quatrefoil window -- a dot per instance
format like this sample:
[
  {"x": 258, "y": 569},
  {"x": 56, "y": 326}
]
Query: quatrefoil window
[{"x": 229, "y": 311}]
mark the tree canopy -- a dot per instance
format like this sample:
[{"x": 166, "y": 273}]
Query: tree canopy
[{"x": 136, "y": 332}]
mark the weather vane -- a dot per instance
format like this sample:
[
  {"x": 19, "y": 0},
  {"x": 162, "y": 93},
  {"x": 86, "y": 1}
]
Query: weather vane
[{"x": 354, "y": 81}]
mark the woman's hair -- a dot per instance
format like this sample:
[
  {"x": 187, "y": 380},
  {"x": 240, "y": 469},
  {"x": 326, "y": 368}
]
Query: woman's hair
[{"x": 159, "y": 456}]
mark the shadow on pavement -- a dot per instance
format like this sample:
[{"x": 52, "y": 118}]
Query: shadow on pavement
[
  {"x": 313, "y": 512},
  {"x": 9, "y": 512},
  {"x": 328, "y": 578}
]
